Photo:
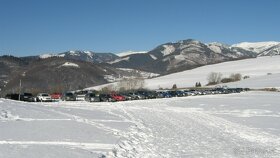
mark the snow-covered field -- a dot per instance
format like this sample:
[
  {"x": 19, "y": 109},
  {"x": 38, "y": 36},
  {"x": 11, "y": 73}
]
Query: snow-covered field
[
  {"x": 255, "y": 68},
  {"x": 233, "y": 125},
  {"x": 263, "y": 72},
  {"x": 266, "y": 81}
]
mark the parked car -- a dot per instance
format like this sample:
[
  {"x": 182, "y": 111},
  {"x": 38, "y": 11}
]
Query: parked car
[
  {"x": 117, "y": 97},
  {"x": 27, "y": 97},
  {"x": 12, "y": 96},
  {"x": 135, "y": 96},
  {"x": 106, "y": 98},
  {"x": 163, "y": 94},
  {"x": 91, "y": 97},
  {"x": 126, "y": 96},
  {"x": 177, "y": 93},
  {"x": 56, "y": 96},
  {"x": 68, "y": 96},
  {"x": 151, "y": 94},
  {"x": 44, "y": 97},
  {"x": 80, "y": 95}
]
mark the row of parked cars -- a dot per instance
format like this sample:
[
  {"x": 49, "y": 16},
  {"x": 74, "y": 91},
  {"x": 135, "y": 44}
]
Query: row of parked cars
[{"x": 95, "y": 96}]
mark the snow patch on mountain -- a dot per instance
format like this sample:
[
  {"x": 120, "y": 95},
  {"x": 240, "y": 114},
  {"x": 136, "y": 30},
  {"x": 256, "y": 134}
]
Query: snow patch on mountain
[
  {"x": 119, "y": 60},
  {"x": 45, "y": 56},
  {"x": 89, "y": 53},
  {"x": 168, "y": 49},
  {"x": 68, "y": 64},
  {"x": 122, "y": 54},
  {"x": 143, "y": 74},
  {"x": 179, "y": 57},
  {"x": 215, "y": 47},
  {"x": 74, "y": 53},
  {"x": 152, "y": 56}
]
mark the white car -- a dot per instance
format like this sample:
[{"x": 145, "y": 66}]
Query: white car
[
  {"x": 80, "y": 96},
  {"x": 44, "y": 97}
]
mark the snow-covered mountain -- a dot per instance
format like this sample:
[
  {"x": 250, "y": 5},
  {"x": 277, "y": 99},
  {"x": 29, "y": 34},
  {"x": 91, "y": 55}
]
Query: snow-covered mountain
[
  {"x": 182, "y": 55},
  {"x": 88, "y": 56},
  {"x": 261, "y": 48}
]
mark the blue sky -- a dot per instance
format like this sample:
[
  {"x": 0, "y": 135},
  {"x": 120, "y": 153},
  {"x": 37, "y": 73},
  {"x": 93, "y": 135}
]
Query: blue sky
[{"x": 31, "y": 27}]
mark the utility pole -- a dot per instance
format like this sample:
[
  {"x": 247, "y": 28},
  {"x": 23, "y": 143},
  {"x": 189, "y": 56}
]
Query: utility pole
[{"x": 19, "y": 89}]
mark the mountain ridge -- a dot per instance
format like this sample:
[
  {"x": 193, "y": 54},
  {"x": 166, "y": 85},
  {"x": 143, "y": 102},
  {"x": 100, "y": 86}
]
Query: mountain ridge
[
  {"x": 185, "y": 54},
  {"x": 102, "y": 68}
]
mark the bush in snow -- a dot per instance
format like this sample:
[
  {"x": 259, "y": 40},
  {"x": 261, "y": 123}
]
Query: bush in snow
[
  {"x": 236, "y": 77},
  {"x": 246, "y": 77}
]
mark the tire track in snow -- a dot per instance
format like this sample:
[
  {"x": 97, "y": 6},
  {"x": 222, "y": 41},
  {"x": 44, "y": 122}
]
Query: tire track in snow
[
  {"x": 137, "y": 142},
  {"x": 182, "y": 132}
]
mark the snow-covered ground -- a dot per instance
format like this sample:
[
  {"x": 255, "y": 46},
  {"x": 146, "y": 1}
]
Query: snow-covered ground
[
  {"x": 233, "y": 125},
  {"x": 265, "y": 81},
  {"x": 255, "y": 68}
]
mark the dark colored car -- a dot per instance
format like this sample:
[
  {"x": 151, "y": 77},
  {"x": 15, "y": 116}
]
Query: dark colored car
[
  {"x": 151, "y": 94},
  {"x": 91, "y": 97},
  {"x": 126, "y": 96},
  {"x": 135, "y": 96},
  {"x": 144, "y": 94},
  {"x": 106, "y": 98},
  {"x": 163, "y": 94},
  {"x": 12, "y": 96},
  {"x": 28, "y": 97},
  {"x": 69, "y": 96},
  {"x": 177, "y": 93}
]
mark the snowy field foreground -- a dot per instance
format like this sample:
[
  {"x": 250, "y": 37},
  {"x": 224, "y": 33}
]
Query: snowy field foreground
[{"x": 233, "y": 125}]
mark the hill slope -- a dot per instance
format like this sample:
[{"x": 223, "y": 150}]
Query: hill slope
[
  {"x": 255, "y": 67},
  {"x": 57, "y": 74},
  {"x": 265, "y": 68}
]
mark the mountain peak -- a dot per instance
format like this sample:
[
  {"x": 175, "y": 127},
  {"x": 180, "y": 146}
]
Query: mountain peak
[
  {"x": 193, "y": 41},
  {"x": 81, "y": 55},
  {"x": 257, "y": 47}
]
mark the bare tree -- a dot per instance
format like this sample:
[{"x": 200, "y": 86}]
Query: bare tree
[
  {"x": 131, "y": 83},
  {"x": 108, "y": 89},
  {"x": 214, "y": 78}
]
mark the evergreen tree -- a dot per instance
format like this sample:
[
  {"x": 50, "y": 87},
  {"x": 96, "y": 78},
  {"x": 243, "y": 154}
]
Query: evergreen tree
[{"x": 174, "y": 86}]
